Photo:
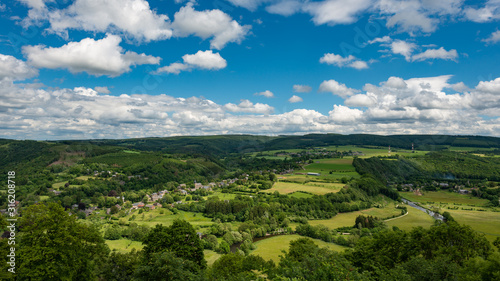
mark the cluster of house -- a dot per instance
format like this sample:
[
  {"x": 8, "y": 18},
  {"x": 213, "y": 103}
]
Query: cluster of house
[
  {"x": 157, "y": 196},
  {"x": 457, "y": 188}
]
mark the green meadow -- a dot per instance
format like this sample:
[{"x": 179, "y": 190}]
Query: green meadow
[
  {"x": 444, "y": 198},
  {"x": 153, "y": 217},
  {"x": 486, "y": 222},
  {"x": 311, "y": 187},
  {"x": 124, "y": 245},
  {"x": 211, "y": 256},
  {"x": 271, "y": 248},
  {"x": 347, "y": 219},
  {"x": 414, "y": 218}
]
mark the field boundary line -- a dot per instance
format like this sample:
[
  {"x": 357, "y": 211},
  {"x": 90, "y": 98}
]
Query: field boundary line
[{"x": 396, "y": 217}]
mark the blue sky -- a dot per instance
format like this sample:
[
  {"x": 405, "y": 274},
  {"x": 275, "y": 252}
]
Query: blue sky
[{"x": 136, "y": 68}]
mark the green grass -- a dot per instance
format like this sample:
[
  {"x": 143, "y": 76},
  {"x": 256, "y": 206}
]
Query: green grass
[
  {"x": 414, "y": 218},
  {"x": 444, "y": 198},
  {"x": 124, "y": 245},
  {"x": 211, "y": 256},
  {"x": 85, "y": 178},
  {"x": 465, "y": 148},
  {"x": 299, "y": 194},
  {"x": 44, "y": 197},
  {"x": 154, "y": 217},
  {"x": 312, "y": 187},
  {"x": 377, "y": 151},
  {"x": 347, "y": 219},
  {"x": 133, "y": 152},
  {"x": 271, "y": 248},
  {"x": 222, "y": 196},
  {"x": 58, "y": 185},
  {"x": 486, "y": 222}
]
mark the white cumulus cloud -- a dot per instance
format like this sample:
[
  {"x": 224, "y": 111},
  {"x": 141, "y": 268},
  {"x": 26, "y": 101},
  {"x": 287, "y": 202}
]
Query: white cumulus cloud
[
  {"x": 249, "y": 107},
  {"x": 302, "y": 88},
  {"x": 213, "y": 24},
  {"x": 338, "y": 60},
  {"x": 133, "y": 18},
  {"x": 494, "y": 38},
  {"x": 266, "y": 93},
  {"x": 295, "y": 99},
  {"x": 96, "y": 57},
  {"x": 207, "y": 60},
  {"x": 336, "y": 88},
  {"x": 14, "y": 69},
  {"x": 440, "y": 53},
  {"x": 336, "y": 11}
]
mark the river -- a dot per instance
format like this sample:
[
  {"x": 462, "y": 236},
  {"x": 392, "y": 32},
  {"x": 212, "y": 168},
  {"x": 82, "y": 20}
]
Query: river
[{"x": 430, "y": 213}]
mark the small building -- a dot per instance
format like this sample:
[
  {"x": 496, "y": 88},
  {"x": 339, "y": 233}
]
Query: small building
[{"x": 313, "y": 174}]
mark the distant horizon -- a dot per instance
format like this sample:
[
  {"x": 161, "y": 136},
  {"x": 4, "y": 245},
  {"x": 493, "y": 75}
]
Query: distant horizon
[{"x": 252, "y": 135}]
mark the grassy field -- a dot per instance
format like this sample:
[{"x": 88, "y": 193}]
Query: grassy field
[
  {"x": 465, "y": 148},
  {"x": 58, "y": 185},
  {"x": 347, "y": 219},
  {"x": 444, "y": 198},
  {"x": 154, "y": 217},
  {"x": 85, "y": 178},
  {"x": 211, "y": 256},
  {"x": 377, "y": 151},
  {"x": 312, "y": 187},
  {"x": 486, "y": 222},
  {"x": 123, "y": 245},
  {"x": 414, "y": 218},
  {"x": 222, "y": 196},
  {"x": 299, "y": 194},
  {"x": 271, "y": 248}
]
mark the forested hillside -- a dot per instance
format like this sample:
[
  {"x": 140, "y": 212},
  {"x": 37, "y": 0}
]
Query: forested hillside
[{"x": 195, "y": 208}]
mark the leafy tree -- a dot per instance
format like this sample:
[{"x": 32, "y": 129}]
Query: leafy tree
[
  {"x": 113, "y": 233},
  {"x": 119, "y": 266},
  {"x": 56, "y": 247},
  {"x": 224, "y": 247},
  {"x": 237, "y": 267},
  {"x": 306, "y": 261},
  {"x": 211, "y": 242},
  {"x": 167, "y": 266},
  {"x": 180, "y": 238}
]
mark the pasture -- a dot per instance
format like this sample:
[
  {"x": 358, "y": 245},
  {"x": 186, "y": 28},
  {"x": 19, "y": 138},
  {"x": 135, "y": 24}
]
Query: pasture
[
  {"x": 414, "y": 218},
  {"x": 443, "y": 198},
  {"x": 348, "y": 219},
  {"x": 311, "y": 187},
  {"x": 300, "y": 194},
  {"x": 153, "y": 217},
  {"x": 124, "y": 245},
  {"x": 211, "y": 256},
  {"x": 486, "y": 222},
  {"x": 221, "y": 195},
  {"x": 271, "y": 248}
]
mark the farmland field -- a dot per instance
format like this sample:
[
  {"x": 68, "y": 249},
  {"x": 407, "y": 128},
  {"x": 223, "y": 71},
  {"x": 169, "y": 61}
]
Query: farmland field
[
  {"x": 153, "y": 217},
  {"x": 211, "y": 256},
  {"x": 299, "y": 194},
  {"x": 444, "y": 197},
  {"x": 414, "y": 218},
  {"x": 221, "y": 196},
  {"x": 486, "y": 222},
  {"x": 377, "y": 151},
  {"x": 347, "y": 219},
  {"x": 124, "y": 245},
  {"x": 271, "y": 248},
  {"x": 314, "y": 188}
]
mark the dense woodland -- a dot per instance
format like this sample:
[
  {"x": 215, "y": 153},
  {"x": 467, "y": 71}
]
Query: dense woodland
[{"x": 55, "y": 240}]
